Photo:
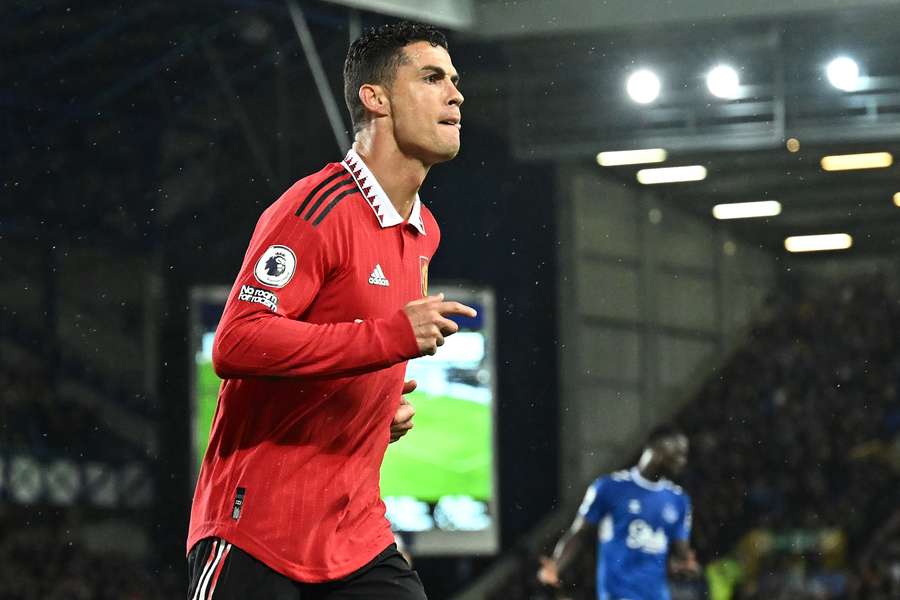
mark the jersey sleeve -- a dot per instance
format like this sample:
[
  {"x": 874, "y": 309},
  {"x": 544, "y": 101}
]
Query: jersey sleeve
[
  {"x": 596, "y": 501},
  {"x": 682, "y": 527},
  {"x": 262, "y": 334}
]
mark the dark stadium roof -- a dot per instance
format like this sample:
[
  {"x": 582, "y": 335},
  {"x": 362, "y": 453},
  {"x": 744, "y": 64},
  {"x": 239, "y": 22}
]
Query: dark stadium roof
[{"x": 108, "y": 109}]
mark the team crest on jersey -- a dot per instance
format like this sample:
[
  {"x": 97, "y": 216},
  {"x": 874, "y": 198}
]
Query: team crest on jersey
[
  {"x": 642, "y": 536},
  {"x": 423, "y": 268},
  {"x": 669, "y": 513},
  {"x": 276, "y": 266}
]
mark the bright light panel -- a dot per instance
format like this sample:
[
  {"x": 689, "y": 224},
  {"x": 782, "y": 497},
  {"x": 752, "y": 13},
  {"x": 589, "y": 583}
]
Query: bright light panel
[
  {"x": 723, "y": 82},
  {"x": 631, "y": 157},
  {"x": 818, "y": 243},
  {"x": 843, "y": 73},
  {"x": 671, "y": 175},
  {"x": 643, "y": 86},
  {"x": 849, "y": 162},
  {"x": 897, "y": 199},
  {"x": 747, "y": 210}
]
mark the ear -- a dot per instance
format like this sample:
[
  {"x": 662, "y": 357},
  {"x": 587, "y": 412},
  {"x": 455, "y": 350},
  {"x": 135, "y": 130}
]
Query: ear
[{"x": 375, "y": 99}]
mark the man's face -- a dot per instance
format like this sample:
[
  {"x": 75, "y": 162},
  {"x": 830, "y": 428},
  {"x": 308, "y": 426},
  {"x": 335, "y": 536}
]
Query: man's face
[
  {"x": 673, "y": 453},
  {"x": 425, "y": 104}
]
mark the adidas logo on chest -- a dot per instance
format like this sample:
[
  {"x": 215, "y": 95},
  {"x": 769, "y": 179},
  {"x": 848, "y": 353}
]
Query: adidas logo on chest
[{"x": 378, "y": 278}]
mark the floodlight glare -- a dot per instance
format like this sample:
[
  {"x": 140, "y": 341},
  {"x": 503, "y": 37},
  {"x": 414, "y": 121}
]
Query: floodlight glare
[
  {"x": 818, "y": 243},
  {"x": 671, "y": 175},
  {"x": 723, "y": 82},
  {"x": 643, "y": 86},
  {"x": 843, "y": 73},
  {"x": 747, "y": 210},
  {"x": 631, "y": 157},
  {"x": 850, "y": 162}
]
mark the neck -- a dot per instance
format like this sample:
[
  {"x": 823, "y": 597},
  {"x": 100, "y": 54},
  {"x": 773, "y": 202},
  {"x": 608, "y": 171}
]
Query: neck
[
  {"x": 648, "y": 467},
  {"x": 399, "y": 175}
]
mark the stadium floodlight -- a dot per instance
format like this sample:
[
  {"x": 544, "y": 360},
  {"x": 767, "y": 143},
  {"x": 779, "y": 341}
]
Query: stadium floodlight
[
  {"x": 747, "y": 210},
  {"x": 723, "y": 82},
  {"x": 671, "y": 175},
  {"x": 850, "y": 162},
  {"x": 631, "y": 157},
  {"x": 818, "y": 243},
  {"x": 897, "y": 199},
  {"x": 643, "y": 86},
  {"x": 843, "y": 73}
]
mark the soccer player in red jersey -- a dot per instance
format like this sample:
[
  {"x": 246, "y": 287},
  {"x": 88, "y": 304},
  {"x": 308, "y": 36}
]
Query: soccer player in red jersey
[{"x": 330, "y": 303}]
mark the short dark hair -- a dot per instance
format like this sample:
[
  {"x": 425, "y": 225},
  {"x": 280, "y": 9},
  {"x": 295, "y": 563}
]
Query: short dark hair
[
  {"x": 663, "y": 432},
  {"x": 375, "y": 56}
]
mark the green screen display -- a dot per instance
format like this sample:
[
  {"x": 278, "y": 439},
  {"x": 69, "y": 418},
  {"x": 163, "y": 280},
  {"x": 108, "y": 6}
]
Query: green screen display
[
  {"x": 428, "y": 463},
  {"x": 207, "y": 393}
]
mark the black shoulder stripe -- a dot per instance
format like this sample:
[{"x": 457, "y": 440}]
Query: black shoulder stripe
[
  {"x": 334, "y": 203},
  {"x": 316, "y": 190},
  {"x": 324, "y": 195}
]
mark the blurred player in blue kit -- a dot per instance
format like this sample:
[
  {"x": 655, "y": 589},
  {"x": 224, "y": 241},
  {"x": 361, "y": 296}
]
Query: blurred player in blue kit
[{"x": 641, "y": 516}]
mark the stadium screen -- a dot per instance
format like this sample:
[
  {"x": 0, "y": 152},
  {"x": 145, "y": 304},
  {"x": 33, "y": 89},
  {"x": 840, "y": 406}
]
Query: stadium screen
[{"x": 439, "y": 482}]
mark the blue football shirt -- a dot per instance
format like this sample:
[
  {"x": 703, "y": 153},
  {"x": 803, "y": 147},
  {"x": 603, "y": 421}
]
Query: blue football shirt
[{"x": 638, "y": 519}]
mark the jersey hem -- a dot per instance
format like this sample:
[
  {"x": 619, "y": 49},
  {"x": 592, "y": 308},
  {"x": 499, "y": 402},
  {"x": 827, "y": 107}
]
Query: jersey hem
[{"x": 289, "y": 569}]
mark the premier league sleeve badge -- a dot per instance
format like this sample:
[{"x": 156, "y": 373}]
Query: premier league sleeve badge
[{"x": 276, "y": 266}]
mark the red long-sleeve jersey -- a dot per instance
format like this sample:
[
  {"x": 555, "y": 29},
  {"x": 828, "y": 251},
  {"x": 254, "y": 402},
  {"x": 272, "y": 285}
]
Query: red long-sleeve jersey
[{"x": 312, "y": 347}]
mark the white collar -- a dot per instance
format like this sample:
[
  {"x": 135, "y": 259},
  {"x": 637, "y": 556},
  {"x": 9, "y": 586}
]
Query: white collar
[
  {"x": 646, "y": 483},
  {"x": 377, "y": 198}
]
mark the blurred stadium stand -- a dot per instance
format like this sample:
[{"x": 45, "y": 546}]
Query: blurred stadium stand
[{"x": 794, "y": 468}]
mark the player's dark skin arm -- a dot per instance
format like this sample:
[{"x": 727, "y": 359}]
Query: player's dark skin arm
[
  {"x": 683, "y": 559},
  {"x": 568, "y": 546}
]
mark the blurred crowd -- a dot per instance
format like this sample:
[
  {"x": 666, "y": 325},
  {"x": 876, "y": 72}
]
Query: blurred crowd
[
  {"x": 34, "y": 418},
  {"x": 45, "y": 549},
  {"x": 793, "y": 439},
  {"x": 879, "y": 568},
  {"x": 795, "y": 458},
  {"x": 41, "y": 561}
]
